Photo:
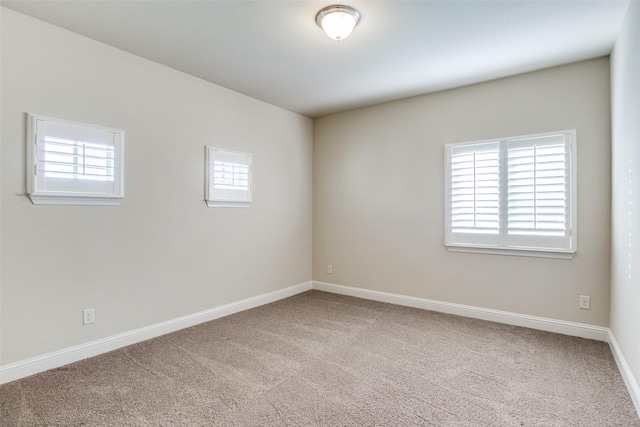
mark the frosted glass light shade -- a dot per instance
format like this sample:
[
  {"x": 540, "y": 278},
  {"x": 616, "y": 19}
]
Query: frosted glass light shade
[{"x": 338, "y": 21}]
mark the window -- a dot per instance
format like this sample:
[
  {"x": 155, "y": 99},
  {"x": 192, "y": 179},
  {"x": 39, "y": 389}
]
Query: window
[
  {"x": 228, "y": 182},
  {"x": 70, "y": 163},
  {"x": 513, "y": 196}
]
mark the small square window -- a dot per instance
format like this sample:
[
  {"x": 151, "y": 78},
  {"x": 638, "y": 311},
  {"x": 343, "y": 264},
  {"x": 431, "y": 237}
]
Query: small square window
[
  {"x": 228, "y": 182},
  {"x": 71, "y": 163}
]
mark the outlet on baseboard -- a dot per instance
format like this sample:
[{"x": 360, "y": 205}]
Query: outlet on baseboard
[
  {"x": 584, "y": 302},
  {"x": 88, "y": 316}
]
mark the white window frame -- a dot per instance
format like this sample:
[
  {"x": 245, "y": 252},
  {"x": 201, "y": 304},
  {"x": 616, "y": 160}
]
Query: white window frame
[
  {"x": 233, "y": 194},
  {"x": 502, "y": 242},
  {"x": 102, "y": 146}
]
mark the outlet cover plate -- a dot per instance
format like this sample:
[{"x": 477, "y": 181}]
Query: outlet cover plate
[
  {"x": 88, "y": 316},
  {"x": 584, "y": 302}
]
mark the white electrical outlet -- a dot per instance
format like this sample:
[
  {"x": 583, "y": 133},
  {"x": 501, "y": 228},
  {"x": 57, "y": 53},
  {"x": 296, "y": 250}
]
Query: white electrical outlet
[
  {"x": 584, "y": 302},
  {"x": 88, "y": 316},
  {"x": 329, "y": 268}
]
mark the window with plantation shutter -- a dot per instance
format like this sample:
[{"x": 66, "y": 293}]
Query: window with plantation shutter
[
  {"x": 73, "y": 163},
  {"x": 513, "y": 196},
  {"x": 228, "y": 178}
]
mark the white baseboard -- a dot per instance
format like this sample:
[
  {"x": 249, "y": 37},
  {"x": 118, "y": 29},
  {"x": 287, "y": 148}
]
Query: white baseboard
[
  {"x": 625, "y": 371},
  {"x": 25, "y": 368},
  {"x": 516, "y": 319}
]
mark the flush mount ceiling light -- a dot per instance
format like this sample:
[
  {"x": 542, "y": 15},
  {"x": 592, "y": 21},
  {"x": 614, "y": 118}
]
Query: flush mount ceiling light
[{"x": 338, "y": 21}]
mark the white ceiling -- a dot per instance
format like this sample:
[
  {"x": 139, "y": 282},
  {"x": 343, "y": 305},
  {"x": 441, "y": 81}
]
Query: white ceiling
[{"x": 275, "y": 52}]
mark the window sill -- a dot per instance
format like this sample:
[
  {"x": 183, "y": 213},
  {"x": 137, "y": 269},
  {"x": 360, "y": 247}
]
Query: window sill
[
  {"x": 50, "y": 199},
  {"x": 214, "y": 204},
  {"x": 525, "y": 252}
]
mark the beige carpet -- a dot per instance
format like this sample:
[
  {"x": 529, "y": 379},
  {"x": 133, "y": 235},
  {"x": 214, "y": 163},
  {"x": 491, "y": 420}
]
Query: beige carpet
[{"x": 319, "y": 359}]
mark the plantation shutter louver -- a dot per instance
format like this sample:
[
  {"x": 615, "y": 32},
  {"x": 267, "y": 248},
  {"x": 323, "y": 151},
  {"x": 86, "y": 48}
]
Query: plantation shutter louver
[{"x": 72, "y": 159}]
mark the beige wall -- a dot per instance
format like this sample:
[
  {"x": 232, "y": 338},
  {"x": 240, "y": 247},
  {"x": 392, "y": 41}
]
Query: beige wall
[
  {"x": 625, "y": 239},
  {"x": 378, "y": 194},
  {"x": 162, "y": 253}
]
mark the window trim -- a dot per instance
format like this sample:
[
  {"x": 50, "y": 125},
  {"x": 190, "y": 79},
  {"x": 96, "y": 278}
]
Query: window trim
[
  {"x": 501, "y": 248},
  {"x": 214, "y": 201},
  {"x": 42, "y": 196}
]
